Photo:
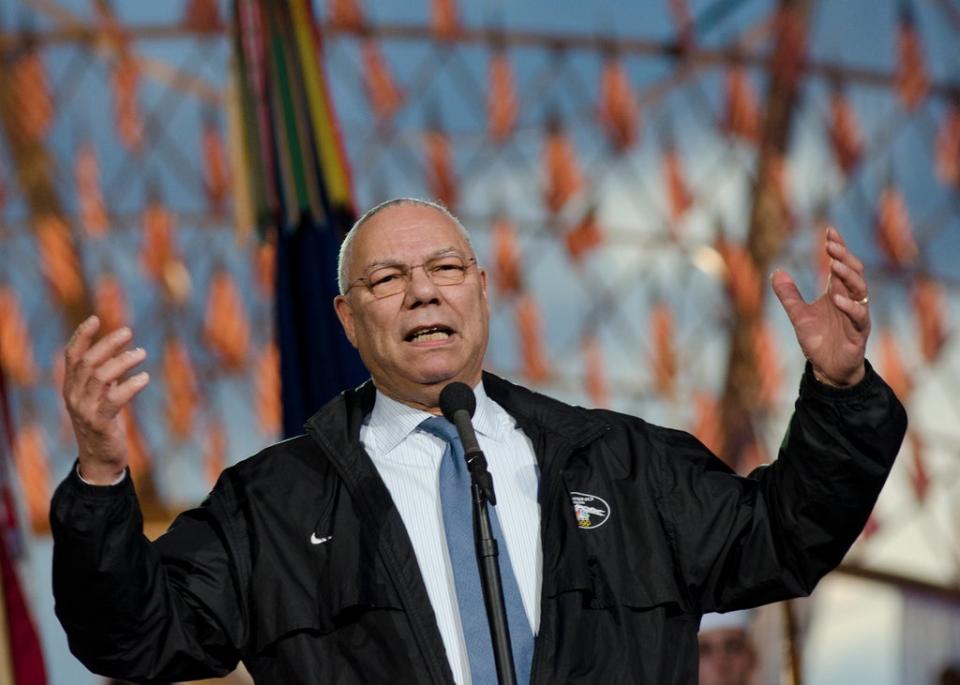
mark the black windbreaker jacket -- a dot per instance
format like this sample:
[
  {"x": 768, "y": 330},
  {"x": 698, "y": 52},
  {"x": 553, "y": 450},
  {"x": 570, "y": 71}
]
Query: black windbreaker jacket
[{"x": 665, "y": 533}]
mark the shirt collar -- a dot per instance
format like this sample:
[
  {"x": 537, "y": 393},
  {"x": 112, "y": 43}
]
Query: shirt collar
[{"x": 391, "y": 421}]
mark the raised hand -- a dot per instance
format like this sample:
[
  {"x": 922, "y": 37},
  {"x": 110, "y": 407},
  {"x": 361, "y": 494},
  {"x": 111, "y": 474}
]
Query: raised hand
[
  {"x": 832, "y": 330},
  {"x": 95, "y": 392}
]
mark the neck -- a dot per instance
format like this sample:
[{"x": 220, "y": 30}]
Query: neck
[{"x": 428, "y": 401}]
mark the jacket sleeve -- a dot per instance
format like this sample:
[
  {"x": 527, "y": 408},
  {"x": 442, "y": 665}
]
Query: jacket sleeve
[
  {"x": 741, "y": 542},
  {"x": 136, "y": 610}
]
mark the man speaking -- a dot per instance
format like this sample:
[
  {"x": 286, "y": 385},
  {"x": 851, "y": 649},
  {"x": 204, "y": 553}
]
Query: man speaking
[{"x": 337, "y": 556}]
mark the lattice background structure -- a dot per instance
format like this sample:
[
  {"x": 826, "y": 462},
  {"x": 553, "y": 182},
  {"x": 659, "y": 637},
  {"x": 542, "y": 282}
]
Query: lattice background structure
[{"x": 630, "y": 175}]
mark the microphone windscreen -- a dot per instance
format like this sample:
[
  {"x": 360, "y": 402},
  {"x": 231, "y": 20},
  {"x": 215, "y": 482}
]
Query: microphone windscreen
[{"x": 457, "y": 396}]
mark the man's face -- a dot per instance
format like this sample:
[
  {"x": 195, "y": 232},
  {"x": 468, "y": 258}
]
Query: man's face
[
  {"x": 726, "y": 657},
  {"x": 418, "y": 340}
]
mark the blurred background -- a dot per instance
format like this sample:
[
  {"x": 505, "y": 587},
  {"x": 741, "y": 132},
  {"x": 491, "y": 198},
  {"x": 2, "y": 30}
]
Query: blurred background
[{"x": 631, "y": 174}]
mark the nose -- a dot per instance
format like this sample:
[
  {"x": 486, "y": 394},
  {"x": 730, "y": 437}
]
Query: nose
[{"x": 421, "y": 290}]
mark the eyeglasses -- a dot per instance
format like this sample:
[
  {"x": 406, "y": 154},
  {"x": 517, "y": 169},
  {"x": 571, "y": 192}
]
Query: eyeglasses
[{"x": 390, "y": 280}]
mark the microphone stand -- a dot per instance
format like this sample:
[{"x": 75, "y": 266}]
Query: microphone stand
[{"x": 488, "y": 557}]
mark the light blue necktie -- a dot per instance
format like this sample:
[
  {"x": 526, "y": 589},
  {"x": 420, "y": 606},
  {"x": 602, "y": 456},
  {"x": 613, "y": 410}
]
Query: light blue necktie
[{"x": 457, "y": 502}]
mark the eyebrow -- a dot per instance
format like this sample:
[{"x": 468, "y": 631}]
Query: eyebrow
[{"x": 394, "y": 262}]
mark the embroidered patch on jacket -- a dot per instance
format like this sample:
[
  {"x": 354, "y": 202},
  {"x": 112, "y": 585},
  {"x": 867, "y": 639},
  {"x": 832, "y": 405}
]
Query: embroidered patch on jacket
[{"x": 591, "y": 511}]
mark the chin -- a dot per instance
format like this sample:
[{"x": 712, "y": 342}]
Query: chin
[{"x": 441, "y": 375}]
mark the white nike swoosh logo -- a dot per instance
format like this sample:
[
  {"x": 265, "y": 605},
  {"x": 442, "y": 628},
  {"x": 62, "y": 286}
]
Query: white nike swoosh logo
[{"x": 314, "y": 540}]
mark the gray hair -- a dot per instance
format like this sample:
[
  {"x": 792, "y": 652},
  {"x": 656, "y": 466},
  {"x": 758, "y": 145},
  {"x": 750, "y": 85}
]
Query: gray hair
[{"x": 346, "y": 247}]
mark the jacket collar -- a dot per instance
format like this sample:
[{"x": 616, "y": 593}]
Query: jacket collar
[
  {"x": 541, "y": 414},
  {"x": 391, "y": 421},
  {"x": 338, "y": 423}
]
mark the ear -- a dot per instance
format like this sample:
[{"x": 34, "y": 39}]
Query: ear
[{"x": 345, "y": 314}]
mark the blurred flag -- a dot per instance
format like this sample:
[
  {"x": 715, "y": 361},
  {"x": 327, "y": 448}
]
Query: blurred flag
[
  {"x": 345, "y": 14},
  {"x": 585, "y": 236},
  {"x": 927, "y": 298},
  {"x": 214, "y": 451},
  {"x": 202, "y": 16},
  {"x": 564, "y": 179},
  {"x": 126, "y": 82},
  {"x": 269, "y": 411},
  {"x": 619, "y": 111},
  {"x": 919, "y": 472},
  {"x": 21, "y": 656},
  {"x": 532, "y": 354},
  {"x": 707, "y": 427},
  {"x": 845, "y": 137},
  {"x": 183, "y": 396},
  {"x": 446, "y": 25},
  {"x": 216, "y": 174},
  {"x": 911, "y": 72},
  {"x": 32, "y": 462},
  {"x": 743, "y": 111},
  {"x": 948, "y": 145},
  {"x": 892, "y": 367},
  {"x": 30, "y": 94},
  {"x": 663, "y": 360},
  {"x": 594, "y": 377},
  {"x": 440, "y": 169},
  {"x": 110, "y": 302},
  {"x": 893, "y": 229},
  {"x": 767, "y": 363},
  {"x": 506, "y": 257},
  {"x": 86, "y": 174},
  {"x": 16, "y": 347},
  {"x": 59, "y": 260},
  {"x": 265, "y": 263},
  {"x": 384, "y": 95},
  {"x": 301, "y": 188},
  {"x": 679, "y": 198},
  {"x": 225, "y": 327},
  {"x": 502, "y": 104}
]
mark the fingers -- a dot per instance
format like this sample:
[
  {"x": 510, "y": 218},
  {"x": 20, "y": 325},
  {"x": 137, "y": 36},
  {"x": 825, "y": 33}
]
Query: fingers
[
  {"x": 80, "y": 341},
  {"x": 853, "y": 282},
  {"x": 845, "y": 265},
  {"x": 787, "y": 292},
  {"x": 114, "y": 367},
  {"x": 104, "y": 382},
  {"x": 118, "y": 394},
  {"x": 858, "y": 313},
  {"x": 92, "y": 387}
]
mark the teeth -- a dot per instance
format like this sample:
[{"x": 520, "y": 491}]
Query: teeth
[{"x": 430, "y": 334}]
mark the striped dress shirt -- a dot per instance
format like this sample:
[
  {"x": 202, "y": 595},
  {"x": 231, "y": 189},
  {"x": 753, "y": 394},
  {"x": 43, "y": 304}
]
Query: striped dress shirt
[{"x": 408, "y": 460}]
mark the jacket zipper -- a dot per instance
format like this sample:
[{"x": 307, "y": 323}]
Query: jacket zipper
[{"x": 537, "y": 668}]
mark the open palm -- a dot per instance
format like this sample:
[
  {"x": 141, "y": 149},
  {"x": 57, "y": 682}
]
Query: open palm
[{"x": 833, "y": 329}]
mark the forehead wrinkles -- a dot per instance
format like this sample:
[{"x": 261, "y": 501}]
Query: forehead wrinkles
[
  {"x": 390, "y": 261},
  {"x": 412, "y": 239}
]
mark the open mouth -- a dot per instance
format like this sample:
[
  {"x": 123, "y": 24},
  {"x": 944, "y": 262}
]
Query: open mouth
[{"x": 428, "y": 334}]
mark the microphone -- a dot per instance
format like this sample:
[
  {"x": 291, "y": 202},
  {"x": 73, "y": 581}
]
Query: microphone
[{"x": 457, "y": 402}]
